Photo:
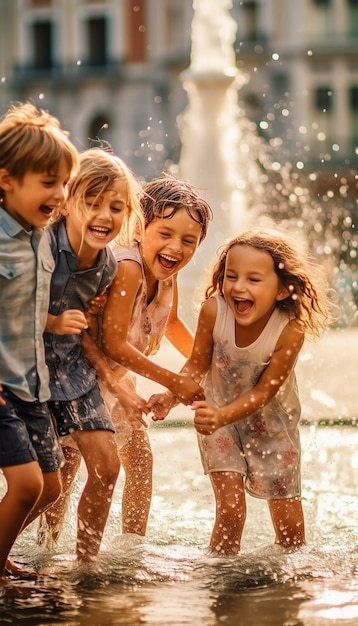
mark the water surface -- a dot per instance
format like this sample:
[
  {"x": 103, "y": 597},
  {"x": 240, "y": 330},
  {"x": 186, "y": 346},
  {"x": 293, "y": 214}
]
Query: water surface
[{"x": 170, "y": 579}]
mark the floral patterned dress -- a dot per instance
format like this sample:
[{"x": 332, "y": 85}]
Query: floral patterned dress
[{"x": 264, "y": 447}]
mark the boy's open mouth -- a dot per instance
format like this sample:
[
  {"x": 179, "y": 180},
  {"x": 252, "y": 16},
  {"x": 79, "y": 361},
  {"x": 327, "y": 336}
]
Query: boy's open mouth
[{"x": 47, "y": 210}]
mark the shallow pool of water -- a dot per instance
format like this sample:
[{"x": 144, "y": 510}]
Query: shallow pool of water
[{"x": 169, "y": 578}]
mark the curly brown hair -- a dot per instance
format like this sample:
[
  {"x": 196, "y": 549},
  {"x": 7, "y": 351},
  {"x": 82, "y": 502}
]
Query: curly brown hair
[{"x": 310, "y": 302}]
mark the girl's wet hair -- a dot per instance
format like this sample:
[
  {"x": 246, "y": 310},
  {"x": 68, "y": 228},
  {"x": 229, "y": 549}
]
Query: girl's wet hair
[
  {"x": 32, "y": 140},
  {"x": 310, "y": 302},
  {"x": 167, "y": 191},
  {"x": 98, "y": 172}
]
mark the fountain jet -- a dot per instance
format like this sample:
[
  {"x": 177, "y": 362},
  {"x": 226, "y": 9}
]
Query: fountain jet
[{"x": 212, "y": 150}]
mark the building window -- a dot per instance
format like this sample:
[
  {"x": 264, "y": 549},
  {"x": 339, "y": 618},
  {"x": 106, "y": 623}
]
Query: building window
[
  {"x": 40, "y": 3},
  {"x": 324, "y": 99},
  {"x": 321, "y": 21},
  {"x": 98, "y": 130},
  {"x": 250, "y": 19},
  {"x": 322, "y": 120},
  {"x": 353, "y": 18},
  {"x": 174, "y": 24},
  {"x": 96, "y": 41},
  {"x": 42, "y": 36},
  {"x": 353, "y": 101}
]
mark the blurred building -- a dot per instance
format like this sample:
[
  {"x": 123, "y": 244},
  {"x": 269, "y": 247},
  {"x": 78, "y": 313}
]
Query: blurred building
[
  {"x": 111, "y": 69},
  {"x": 106, "y": 68}
]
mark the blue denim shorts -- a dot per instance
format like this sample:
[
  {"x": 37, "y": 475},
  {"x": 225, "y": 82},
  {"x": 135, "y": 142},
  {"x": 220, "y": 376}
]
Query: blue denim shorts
[
  {"x": 85, "y": 413},
  {"x": 27, "y": 434}
]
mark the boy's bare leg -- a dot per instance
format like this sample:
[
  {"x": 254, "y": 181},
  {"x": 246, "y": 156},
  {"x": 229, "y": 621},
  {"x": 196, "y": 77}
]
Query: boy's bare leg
[{"x": 24, "y": 487}]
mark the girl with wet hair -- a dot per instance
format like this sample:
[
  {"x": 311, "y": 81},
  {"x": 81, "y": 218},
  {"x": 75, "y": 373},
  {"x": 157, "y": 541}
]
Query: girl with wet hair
[{"x": 141, "y": 309}]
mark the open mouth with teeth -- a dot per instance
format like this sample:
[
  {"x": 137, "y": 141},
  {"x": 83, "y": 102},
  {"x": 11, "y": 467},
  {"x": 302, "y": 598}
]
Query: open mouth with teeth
[
  {"x": 167, "y": 262},
  {"x": 100, "y": 231},
  {"x": 46, "y": 210},
  {"x": 243, "y": 306}
]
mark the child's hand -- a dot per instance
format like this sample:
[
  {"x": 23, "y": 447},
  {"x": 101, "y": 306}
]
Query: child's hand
[
  {"x": 186, "y": 390},
  {"x": 134, "y": 404},
  {"x": 207, "y": 418},
  {"x": 70, "y": 322},
  {"x": 160, "y": 404}
]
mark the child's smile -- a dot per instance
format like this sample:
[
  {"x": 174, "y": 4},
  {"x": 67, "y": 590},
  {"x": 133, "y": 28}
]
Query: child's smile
[
  {"x": 100, "y": 232},
  {"x": 243, "y": 306},
  {"x": 169, "y": 243},
  {"x": 251, "y": 286},
  {"x": 167, "y": 262}
]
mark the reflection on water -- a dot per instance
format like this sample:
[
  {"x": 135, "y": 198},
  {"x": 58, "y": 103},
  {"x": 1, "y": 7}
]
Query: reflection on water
[{"x": 169, "y": 579}]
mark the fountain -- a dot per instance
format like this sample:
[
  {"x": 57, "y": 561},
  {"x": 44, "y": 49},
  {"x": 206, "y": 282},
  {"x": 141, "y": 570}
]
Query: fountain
[
  {"x": 213, "y": 156},
  {"x": 209, "y": 128},
  {"x": 223, "y": 156}
]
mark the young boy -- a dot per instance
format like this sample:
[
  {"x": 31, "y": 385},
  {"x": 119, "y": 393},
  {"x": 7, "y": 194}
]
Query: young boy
[{"x": 36, "y": 161}]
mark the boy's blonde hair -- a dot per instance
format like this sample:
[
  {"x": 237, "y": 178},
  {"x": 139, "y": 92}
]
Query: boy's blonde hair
[
  {"x": 310, "y": 301},
  {"x": 32, "y": 140},
  {"x": 98, "y": 171}
]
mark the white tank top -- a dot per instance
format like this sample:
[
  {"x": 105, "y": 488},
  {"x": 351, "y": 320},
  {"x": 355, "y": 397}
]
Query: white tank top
[{"x": 234, "y": 370}]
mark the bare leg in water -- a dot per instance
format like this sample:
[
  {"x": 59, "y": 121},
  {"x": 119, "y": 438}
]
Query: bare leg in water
[
  {"x": 137, "y": 460},
  {"x": 51, "y": 522}
]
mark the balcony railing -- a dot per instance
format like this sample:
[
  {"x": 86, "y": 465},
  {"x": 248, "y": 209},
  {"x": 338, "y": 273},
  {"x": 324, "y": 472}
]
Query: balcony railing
[{"x": 66, "y": 74}]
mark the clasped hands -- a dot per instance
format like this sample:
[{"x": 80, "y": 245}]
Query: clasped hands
[{"x": 207, "y": 418}]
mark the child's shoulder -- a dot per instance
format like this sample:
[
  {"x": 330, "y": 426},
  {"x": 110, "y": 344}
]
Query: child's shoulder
[
  {"x": 212, "y": 306},
  {"x": 123, "y": 253}
]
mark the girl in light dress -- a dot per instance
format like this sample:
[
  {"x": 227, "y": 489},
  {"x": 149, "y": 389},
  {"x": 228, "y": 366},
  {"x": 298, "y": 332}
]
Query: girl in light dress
[{"x": 264, "y": 298}]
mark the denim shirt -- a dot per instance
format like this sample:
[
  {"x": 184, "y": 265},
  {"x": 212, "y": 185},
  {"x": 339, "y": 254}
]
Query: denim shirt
[
  {"x": 71, "y": 375},
  {"x": 26, "y": 265}
]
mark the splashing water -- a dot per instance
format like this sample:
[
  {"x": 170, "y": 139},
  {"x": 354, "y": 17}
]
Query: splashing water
[
  {"x": 244, "y": 177},
  {"x": 168, "y": 578}
]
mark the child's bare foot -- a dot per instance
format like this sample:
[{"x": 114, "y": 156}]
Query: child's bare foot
[
  {"x": 11, "y": 590},
  {"x": 3, "y": 582}
]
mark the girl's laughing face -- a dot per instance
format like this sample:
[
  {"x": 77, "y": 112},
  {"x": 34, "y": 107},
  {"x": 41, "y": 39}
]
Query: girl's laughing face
[
  {"x": 169, "y": 243},
  {"x": 251, "y": 286}
]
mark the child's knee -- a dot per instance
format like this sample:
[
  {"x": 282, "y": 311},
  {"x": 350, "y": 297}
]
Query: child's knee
[{"x": 29, "y": 491}]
